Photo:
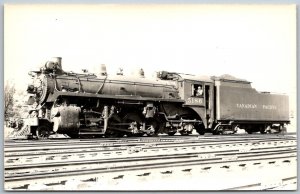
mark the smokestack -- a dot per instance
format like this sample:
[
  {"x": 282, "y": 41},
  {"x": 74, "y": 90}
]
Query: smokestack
[{"x": 57, "y": 60}]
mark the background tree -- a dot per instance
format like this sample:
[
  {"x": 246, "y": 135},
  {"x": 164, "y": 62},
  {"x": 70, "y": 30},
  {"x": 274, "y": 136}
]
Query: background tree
[{"x": 9, "y": 91}]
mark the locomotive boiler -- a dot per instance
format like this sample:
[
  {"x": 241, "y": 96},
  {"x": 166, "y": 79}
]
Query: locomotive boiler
[{"x": 98, "y": 104}]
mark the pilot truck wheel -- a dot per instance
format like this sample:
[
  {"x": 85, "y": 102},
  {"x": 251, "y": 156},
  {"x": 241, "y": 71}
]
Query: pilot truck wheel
[{"x": 43, "y": 131}]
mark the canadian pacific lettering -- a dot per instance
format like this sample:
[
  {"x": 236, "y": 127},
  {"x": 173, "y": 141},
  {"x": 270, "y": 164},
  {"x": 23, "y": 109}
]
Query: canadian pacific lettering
[
  {"x": 246, "y": 105},
  {"x": 271, "y": 107},
  {"x": 254, "y": 106}
]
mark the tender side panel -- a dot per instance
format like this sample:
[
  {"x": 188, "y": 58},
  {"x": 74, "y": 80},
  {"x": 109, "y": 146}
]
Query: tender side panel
[{"x": 246, "y": 104}]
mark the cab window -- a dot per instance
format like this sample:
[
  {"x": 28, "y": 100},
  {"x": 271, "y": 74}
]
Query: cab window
[{"x": 198, "y": 90}]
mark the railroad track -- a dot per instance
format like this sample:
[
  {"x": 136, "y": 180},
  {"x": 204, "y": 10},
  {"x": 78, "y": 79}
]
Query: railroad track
[
  {"x": 55, "y": 152},
  {"x": 23, "y": 146},
  {"x": 110, "y": 141},
  {"x": 90, "y": 162}
]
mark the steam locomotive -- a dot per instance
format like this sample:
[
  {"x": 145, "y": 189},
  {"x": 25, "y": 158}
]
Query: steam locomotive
[{"x": 102, "y": 105}]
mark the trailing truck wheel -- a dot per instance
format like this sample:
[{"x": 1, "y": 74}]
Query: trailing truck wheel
[
  {"x": 43, "y": 131},
  {"x": 187, "y": 129},
  {"x": 200, "y": 129}
]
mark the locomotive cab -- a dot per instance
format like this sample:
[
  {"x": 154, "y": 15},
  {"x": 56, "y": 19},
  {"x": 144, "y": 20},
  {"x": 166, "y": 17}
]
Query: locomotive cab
[{"x": 198, "y": 92}]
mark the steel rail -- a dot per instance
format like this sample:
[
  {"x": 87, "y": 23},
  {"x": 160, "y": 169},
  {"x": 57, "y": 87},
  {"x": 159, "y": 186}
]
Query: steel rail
[
  {"x": 217, "y": 157},
  {"x": 56, "y": 146},
  {"x": 20, "y": 143},
  {"x": 160, "y": 164},
  {"x": 11, "y": 161},
  {"x": 179, "y": 145}
]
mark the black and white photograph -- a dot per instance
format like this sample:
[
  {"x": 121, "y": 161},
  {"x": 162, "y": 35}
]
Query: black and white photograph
[{"x": 150, "y": 97}]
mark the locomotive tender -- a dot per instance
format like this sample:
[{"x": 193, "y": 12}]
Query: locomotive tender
[{"x": 96, "y": 105}]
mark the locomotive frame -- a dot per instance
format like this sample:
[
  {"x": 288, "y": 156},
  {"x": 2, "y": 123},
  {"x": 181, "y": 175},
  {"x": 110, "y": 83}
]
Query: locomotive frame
[{"x": 97, "y": 105}]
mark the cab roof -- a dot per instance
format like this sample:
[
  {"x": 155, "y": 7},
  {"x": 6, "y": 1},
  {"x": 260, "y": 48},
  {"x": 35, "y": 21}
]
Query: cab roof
[
  {"x": 229, "y": 78},
  {"x": 201, "y": 78}
]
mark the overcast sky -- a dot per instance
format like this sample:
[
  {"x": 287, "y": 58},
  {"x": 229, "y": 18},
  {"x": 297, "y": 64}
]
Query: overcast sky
[{"x": 253, "y": 42}]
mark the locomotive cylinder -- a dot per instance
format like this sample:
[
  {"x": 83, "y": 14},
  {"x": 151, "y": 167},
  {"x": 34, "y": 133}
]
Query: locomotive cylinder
[{"x": 65, "y": 118}]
